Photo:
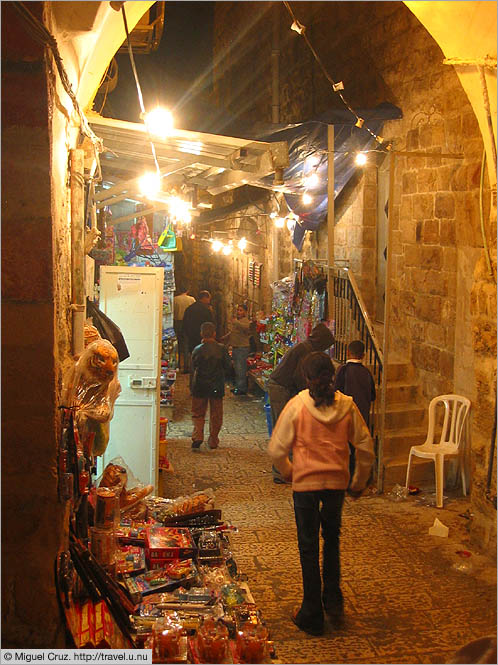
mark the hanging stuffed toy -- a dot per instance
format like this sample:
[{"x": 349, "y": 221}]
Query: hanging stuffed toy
[{"x": 91, "y": 388}]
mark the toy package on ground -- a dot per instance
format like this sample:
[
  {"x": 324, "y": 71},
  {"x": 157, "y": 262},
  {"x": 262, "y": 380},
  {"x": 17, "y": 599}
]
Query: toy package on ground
[{"x": 165, "y": 578}]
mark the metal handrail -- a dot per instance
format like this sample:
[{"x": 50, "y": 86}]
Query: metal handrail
[{"x": 353, "y": 322}]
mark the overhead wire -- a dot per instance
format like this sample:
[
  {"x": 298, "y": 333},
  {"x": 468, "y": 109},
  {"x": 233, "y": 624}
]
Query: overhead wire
[
  {"x": 139, "y": 89},
  {"x": 336, "y": 86}
]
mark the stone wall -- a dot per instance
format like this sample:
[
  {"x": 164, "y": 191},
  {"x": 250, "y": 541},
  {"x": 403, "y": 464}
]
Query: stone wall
[
  {"x": 441, "y": 311},
  {"x": 32, "y": 518}
]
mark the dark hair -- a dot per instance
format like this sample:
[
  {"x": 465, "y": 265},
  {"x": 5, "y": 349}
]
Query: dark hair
[
  {"x": 204, "y": 294},
  {"x": 243, "y": 305},
  {"x": 208, "y": 329},
  {"x": 356, "y": 348},
  {"x": 319, "y": 373}
]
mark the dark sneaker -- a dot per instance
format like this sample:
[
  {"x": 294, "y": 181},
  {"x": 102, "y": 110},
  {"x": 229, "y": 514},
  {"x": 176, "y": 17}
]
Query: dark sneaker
[
  {"x": 334, "y": 609},
  {"x": 196, "y": 446},
  {"x": 315, "y": 629}
]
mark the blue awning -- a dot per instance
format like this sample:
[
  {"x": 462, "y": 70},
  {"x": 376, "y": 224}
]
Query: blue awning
[{"x": 308, "y": 148}]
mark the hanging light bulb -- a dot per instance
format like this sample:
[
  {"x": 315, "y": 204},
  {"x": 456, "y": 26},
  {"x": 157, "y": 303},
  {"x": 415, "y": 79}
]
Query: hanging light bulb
[
  {"x": 279, "y": 222},
  {"x": 150, "y": 183},
  {"x": 361, "y": 159},
  {"x": 179, "y": 209},
  {"x": 242, "y": 244},
  {"x": 306, "y": 199},
  {"x": 159, "y": 122},
  {"x": 227, "y": 249},
  {"x": 311, "y": 180},
  {"x": 217, "y": 245}
]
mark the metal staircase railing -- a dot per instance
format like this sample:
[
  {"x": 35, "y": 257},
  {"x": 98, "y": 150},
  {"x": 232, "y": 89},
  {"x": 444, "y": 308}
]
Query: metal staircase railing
[{"x": 352, "y": 322}]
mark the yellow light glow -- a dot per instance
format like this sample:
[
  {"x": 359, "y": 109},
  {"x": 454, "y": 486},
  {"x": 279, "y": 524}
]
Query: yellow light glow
[
  {"x": 159, "y": 122},
  {"x": 306, "y": 199},
  {"x": 242, "y": 244},
  {"x": 150, "y": 183},
  {"x": 226, "y": 249},
  {"x": 311, "y": 161},
  {"x": 179, "y": 209},
  {"x": 217, "y": 245},
  {"x": 279, "y": 222},
  {"x": 312, "y": 180},
  {"x": 361, "y": 159}
]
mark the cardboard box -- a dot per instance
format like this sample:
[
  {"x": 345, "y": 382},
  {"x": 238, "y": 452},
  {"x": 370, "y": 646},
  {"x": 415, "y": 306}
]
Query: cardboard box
[{"x": 165, "y": 543}]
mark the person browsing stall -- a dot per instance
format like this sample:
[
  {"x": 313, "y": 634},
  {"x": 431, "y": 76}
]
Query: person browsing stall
[
  {"x": 316, "y": 426},
  {"x": 180, "y": 304},
  {"x": 239, "y": 339},
  {"x": 287, "y": 379},
  {"x": 195, "y": 315}
]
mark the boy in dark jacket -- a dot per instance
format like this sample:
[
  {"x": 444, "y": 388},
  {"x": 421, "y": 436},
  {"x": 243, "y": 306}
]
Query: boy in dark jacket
[
  {"x": 355, "y": 379},
  {"x": 210, "y": 364}
]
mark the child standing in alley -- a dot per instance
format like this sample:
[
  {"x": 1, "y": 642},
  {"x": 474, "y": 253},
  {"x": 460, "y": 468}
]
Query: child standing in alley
[
  {"x": 316, "y": 425},
  {"x": 355, "y": 379},
  {"x": 210, "y": 366}
]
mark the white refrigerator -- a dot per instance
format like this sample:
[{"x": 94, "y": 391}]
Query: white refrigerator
[{"x": 132, "y": 297}]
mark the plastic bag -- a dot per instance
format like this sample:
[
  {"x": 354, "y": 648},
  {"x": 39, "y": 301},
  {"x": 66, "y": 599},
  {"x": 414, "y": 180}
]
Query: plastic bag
[
  {"x": 107, "y": 329},
  {"x": 91, "y": 388},
  {"x": 115, "y": 476}
]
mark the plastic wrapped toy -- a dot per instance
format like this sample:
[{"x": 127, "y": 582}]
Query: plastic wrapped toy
[{"x": 91, "y": 388}]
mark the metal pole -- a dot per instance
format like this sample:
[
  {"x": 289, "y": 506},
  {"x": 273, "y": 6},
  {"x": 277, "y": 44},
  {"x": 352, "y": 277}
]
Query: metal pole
[
  {"x": 78, "y": 248},
  {"x": 330, "y": 220},
  {"x": 387, "y": 316}
]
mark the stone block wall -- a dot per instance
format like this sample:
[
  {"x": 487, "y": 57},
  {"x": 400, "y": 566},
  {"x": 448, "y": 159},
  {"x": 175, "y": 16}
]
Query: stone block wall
[
  {"x": 441, "y": 307},
  {"x": 33, "y": 520}
]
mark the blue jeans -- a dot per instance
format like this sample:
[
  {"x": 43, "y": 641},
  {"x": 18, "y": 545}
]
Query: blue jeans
[
  {"x": 239, "y": 357},
  {"x": 312, "y": 510}
]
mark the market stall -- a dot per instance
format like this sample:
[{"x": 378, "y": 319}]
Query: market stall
[{"x": 158, "y": 573}]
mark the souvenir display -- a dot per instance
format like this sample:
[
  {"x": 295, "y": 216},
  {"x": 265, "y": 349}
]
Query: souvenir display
[{"x": 179, "y": 591}]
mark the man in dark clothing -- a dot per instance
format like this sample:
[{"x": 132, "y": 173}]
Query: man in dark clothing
[
  {"x": 355, "y": 379},
  {"x": 287, "y": 379},
  {"x": 210, "y": 364},
  {"x": 194, "y": 316}
]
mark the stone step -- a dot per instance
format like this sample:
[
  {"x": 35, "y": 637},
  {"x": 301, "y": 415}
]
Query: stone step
[
  {"x": 404, "y": 416},
  {"x": 401, "y": 392},
  {"x": 397, "y": 371},
  {"x": 421, "y": 474},
  {"x": 398, "y": 442}
]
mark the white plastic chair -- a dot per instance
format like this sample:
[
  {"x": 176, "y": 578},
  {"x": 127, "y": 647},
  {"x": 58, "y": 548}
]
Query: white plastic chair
[{"x": 455, "y": 414}]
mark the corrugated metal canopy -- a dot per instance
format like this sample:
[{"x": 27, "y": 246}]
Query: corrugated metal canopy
[{"x": 211, "y": 162}]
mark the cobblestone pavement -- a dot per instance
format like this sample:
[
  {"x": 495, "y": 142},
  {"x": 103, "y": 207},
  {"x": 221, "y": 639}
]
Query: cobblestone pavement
[{"x": 404, "y": 600}]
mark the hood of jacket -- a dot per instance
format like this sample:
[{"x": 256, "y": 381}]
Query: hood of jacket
[
  {"x": 327, "y": 414},
  {"x": 321, "y": 337}
]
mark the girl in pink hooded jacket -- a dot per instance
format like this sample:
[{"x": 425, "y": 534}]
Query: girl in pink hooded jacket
[{"x": 316, "y": 425}]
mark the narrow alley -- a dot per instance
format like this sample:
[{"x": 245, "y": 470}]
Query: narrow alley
[{"x": 405, "y": 601}]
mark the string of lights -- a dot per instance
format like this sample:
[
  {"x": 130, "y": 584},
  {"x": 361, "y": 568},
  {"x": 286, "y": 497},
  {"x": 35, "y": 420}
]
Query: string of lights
[{"x": 337, "y": 87}]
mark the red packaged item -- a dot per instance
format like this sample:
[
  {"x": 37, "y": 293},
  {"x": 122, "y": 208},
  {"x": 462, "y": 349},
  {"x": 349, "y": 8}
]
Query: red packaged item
[
  {"x": 163, "y": 542},
  {"x": 83, "y": 625}
]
